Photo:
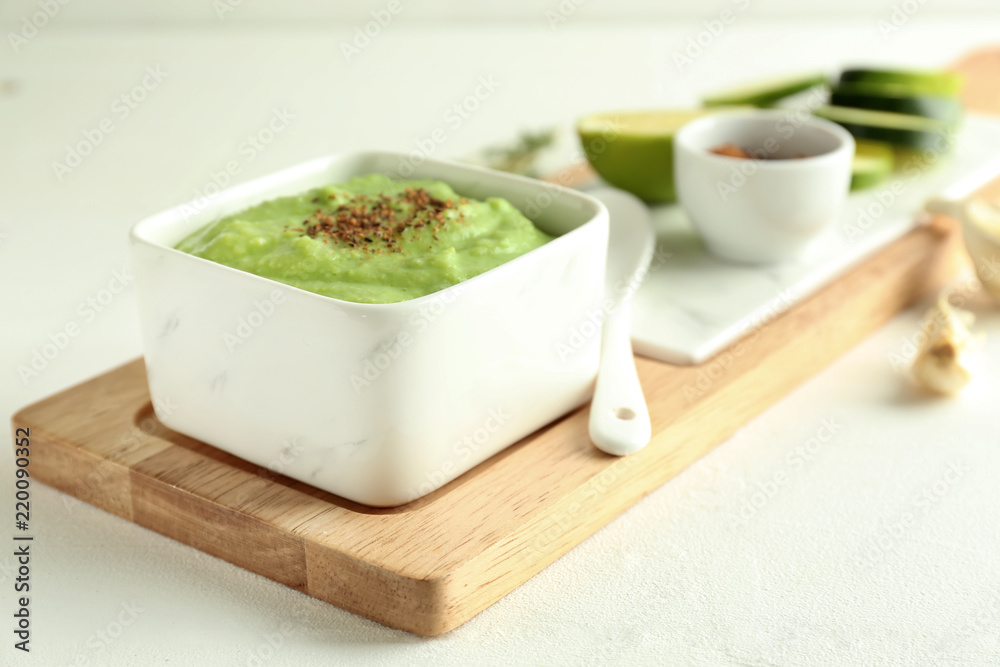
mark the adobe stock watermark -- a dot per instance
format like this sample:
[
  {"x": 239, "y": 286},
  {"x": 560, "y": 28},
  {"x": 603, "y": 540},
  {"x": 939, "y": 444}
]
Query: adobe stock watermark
[
  {"x": 390, "y": 350},
  {"x": 583, "y": 503},
  {"x": 267, "y": 649},
  {"x": 365, "y": 34},
  {"x": 129, "y": 442},
  {"x": 248, "y": 150},
  {"x": 959, "y": 295},
  {"x": 891, "y": 535},
  {"x": 592, "y": 323},
  {"x": 223, "y": 7},
  {"x": 555, "y": 185},
  {"x": 899, "y": 16},
  {"x": 885, "y": 197},
  {"x": 985, "y": 620},
  {"x": 743, "y": 170},
  {"x": 32, "y": 25},
  {"x": 121, "y": 108},
  {"x": 563, "y": 12},
  {"x": 291, "y": 450},
  {"x": 261, "y": 312},
  {"x": 87, "y": 311},
  {"x": 719, "y": 366},
  {"x": 794, "y": 461},
  {"x": 99, "y": 641},
  {"x": 456, "y": 115},
  {"x": 986, "y": 268},
  {"x": 463, "y": 450},
  {"x": 712, "y": 29}
]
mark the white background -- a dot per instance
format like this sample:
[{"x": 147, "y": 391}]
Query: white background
[{"x": 820, "y": 574}]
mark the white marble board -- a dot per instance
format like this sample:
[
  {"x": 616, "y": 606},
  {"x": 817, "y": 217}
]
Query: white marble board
[{"x": 692, "y": 305}]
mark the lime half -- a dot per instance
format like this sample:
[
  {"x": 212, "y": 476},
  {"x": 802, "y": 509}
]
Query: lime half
[{"x": 634, "y": 150}]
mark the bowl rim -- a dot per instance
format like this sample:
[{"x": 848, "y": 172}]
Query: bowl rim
[
  {"x": 846, "y": 142},
  {"x": 138, "y": 233}
]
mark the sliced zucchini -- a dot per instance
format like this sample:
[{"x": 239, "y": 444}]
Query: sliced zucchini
[
  {"x": 893, "y": 128},
  {"x": 931, "y": 82},
  {"x": 895, "y": 99},
  {"x": 765, "y": 93},
  {"x": 909, "y": 158},
  {"x": 873, "y": 162}
]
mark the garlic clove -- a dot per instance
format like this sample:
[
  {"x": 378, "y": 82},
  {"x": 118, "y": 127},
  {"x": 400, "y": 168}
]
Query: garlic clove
[{"x": 942, "y": 364}]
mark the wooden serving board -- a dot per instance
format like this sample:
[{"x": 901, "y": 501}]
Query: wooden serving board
[
  {"x": 433, "y": 564},
  {"x": 429, "y": 566}
]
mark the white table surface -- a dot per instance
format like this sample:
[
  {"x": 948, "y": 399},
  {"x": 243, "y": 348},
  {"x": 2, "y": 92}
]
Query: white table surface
[{"x": 823, "y": 573}]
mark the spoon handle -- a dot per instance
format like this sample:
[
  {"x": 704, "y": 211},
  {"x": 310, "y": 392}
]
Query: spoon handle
[{"x": 619, "y": 418}]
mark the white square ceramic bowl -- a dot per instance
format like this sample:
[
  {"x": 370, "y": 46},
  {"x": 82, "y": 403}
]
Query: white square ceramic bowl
[{"x": 378, "y": 403}]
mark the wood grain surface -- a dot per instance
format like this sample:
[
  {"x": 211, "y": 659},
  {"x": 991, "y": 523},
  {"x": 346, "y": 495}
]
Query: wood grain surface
[{"x": 431, "y": 565}]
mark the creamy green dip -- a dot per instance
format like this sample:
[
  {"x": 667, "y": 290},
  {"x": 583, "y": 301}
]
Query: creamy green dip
[{"x": 369, "y": 240}]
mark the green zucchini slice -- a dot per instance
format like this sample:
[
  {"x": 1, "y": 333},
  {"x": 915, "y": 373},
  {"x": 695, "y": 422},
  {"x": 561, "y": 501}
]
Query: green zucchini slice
[
  {"x": 766, "y": 93},
  {"x": 873, "y": 162},
  {"x": 893, "y": 128},
  {"x": 928, "y": 81},
  {"x": 863, "y": 96}
]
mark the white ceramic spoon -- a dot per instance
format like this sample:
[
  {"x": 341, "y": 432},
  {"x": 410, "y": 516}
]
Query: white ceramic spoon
[{"x": 619, "y": 418}]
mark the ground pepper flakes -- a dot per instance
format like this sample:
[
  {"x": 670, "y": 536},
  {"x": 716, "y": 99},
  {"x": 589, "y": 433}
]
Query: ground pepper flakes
[{"x": 377, "y": 224}]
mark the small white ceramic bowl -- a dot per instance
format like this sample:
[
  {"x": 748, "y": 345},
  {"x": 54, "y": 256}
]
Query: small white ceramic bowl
[
  {"x": 762, "y": 210},
  {"x": 378, "y": 403}
]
